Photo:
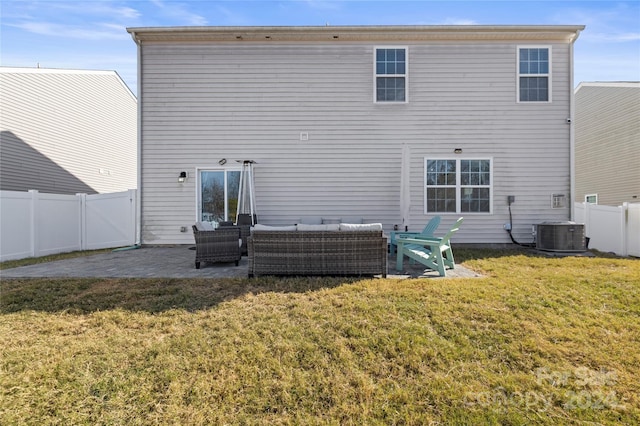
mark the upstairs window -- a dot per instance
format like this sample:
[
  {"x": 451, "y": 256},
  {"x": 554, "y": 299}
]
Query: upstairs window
[
  {"x": 458, "y": 186},
  {"x": 534, "y": 74},
  {"x": 391, "y": 75}
]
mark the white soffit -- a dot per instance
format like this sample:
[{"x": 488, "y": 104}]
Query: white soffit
[{"x": 559, "y": 33}]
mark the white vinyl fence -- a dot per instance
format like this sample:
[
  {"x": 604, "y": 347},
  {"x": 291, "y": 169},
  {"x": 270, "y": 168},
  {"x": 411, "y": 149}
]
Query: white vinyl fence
[
  {"x": 611, "y": 229},
  {"x": 34, "y": 224}
]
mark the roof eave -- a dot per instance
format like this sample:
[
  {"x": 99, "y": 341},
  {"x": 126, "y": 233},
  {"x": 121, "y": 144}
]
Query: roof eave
[{"x": 562, "y": 33}]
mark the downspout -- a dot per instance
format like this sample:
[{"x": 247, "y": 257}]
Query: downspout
[
  {"x": 572, "y": 142},
  {"x": 139, "y": 178}
]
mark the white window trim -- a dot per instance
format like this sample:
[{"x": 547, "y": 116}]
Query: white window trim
[
  {"x": 586, "y": 197},
  {"x": 558, "y": 201},
  {"x": 459, "y": 185},
  {"x": 405, "y": 75},
  {"x": 548, "y": 75},
  {"x": 199, "y": 170}
]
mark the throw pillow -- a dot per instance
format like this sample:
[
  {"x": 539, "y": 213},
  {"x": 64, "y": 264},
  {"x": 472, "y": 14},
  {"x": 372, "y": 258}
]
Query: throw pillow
[
  {"x": 326, "y": 220},
  {"x": 311, "y": 220},
  {"x": 351, "y": 220}
]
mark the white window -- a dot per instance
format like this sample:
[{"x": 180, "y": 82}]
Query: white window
[
  {"x": 390, "y": 74},
  {"x": 558, "y": 201},
  {"x": 458, "y": 185},
  {"x": 591, "y": 198},
  {"x": 534, "y": 74}
]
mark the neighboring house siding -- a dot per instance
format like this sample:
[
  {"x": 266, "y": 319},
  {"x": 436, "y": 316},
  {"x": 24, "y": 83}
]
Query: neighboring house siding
[
  {"x": 204, "y": 102},
  {"x": 67, "y": 131},
  {"x": 607, "y": 127}
]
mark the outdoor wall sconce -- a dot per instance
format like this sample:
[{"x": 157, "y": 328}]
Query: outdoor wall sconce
[
  {"x": 182, "y": 177},
  {"x": 222, "y": 162},
  {"x": 458, "y": 150}
]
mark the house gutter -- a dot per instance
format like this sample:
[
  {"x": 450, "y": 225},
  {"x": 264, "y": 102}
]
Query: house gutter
[{"x": 139, "y": 130}]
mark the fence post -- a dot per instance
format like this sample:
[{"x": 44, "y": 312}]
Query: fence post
[
  {"x": 624, "y": 227},
  {"x": 587, "y": 219},
  {"x": 133, "y": 215},
  {"x": 33, "y": 244},
  {"x": 82, "y": 201}
]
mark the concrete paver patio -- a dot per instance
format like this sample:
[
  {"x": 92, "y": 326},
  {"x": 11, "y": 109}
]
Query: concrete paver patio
[{"x": 173, "y": 262}]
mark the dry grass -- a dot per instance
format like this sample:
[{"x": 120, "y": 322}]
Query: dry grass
[
  {"x": 543, "y": 341},
  {"x": 43, "y": 259}
]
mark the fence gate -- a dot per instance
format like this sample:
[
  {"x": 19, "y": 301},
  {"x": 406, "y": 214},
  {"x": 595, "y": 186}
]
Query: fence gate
[{"x": 109, "y": 220}]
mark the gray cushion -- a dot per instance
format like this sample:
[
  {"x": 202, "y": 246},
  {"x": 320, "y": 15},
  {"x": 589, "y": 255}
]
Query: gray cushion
[
  {"x": 326, "y": 220},
  {"x": 351, "y": 220},
  {"x": 204, "y": 226},
  {"x": 361, "y": 227},
  {"x": 259, "y": 227},
  {"x": 311, "y": 220},
  {"x": 328, "y": 227}
]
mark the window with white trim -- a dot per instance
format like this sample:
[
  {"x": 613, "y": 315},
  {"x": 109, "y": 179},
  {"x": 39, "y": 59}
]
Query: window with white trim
[
  {"x": 390, "y": 74},
  {"x": 218, "y": 195},
  {"x": 458, "y": 185},
  {"x": 558, "y": 201},
  {"x": 591, "y": 198},
  {"x": 534, "y": 74}
]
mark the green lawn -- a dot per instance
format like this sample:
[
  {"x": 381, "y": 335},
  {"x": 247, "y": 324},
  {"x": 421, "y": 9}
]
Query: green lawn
[{"x": 536, "y": 341}]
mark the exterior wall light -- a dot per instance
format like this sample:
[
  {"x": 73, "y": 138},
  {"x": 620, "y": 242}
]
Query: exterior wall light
[
  {"x": 458, "y": 150},
  {"x": 182, "y": 177},
  {"x": 222, "y": 162}
]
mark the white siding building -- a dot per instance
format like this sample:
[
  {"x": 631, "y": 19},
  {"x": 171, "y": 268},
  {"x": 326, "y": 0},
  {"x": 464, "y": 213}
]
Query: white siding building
[
  {"x": 608, "y": 142},
  {"x": 327, "y": 112},
  {"x": 67, "y": 131}
]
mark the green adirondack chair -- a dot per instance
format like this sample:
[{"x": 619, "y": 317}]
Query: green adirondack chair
[
  {"x": 434, "y": 253},
  {"x": 427, "y": 232}
]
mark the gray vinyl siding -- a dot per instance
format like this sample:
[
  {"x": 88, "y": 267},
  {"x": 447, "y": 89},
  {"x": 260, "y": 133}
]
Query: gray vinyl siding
[
  {"x": 204, "y": 102},
  {"x": 67, "y": 132},
  {"x": 608, "y": 142}
]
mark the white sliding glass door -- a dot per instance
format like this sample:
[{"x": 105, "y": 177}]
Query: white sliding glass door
[{"x": 218, "y": 195}]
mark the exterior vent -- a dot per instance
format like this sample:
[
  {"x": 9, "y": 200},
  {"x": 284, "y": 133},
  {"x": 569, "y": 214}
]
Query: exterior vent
[{"x": 560, "y": 236}]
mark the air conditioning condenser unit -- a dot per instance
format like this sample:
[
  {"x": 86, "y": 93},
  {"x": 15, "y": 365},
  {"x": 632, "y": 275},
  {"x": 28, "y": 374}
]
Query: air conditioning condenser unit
[{"x": 560, "y": 236}]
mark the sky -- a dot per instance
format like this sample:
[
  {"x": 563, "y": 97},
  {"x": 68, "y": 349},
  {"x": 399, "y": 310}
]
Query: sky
[{"x": 91, "y": 35}]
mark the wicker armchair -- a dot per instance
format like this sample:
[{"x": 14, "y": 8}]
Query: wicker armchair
[
  {"x": 220, "y": 245},
  {"x": 245, "y": 231}
]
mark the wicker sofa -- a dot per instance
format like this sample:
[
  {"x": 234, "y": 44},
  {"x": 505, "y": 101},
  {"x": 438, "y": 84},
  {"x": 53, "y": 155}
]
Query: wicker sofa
[{"x": 317, "y": 252}]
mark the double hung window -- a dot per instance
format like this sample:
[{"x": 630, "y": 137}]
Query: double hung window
[
  {"x": 391, "y": 74},
  {"x": 458, "y": 185},
  {"x": 534, "y": 74}
]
